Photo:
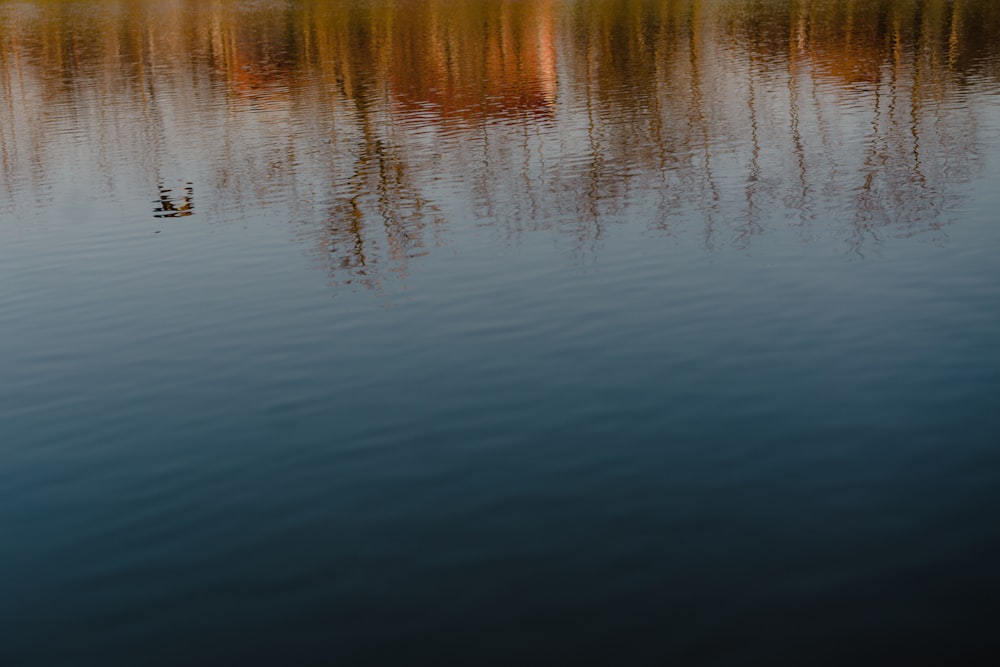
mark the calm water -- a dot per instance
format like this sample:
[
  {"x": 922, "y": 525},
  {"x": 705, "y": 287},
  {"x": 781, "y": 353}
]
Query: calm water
[{"x": 538, "y": 332}]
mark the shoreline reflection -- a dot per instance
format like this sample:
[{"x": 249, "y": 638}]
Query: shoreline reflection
[{"x": 377, "y": 126}]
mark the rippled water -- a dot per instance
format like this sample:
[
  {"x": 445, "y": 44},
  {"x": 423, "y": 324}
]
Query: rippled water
[{"x": 499, "y": 332}]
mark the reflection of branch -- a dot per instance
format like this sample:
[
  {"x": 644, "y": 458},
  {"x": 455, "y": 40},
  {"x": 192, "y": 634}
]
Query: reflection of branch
[
  {"x": 702, "y": 124},
  {"x": 802, "y": 203},
  {"x": 915, "y": 99},
  {"x": 750, "y": 227},
  {"x": 955, "y": 34},
  {"x": 596, "y": 170},
  {"x": 867, "y": 205},
  {"x": 380, "y": 175},
  {"x": 8, "y": 134}
]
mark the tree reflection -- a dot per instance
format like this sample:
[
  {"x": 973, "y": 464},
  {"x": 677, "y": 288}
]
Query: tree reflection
[{"x": 375, "y": 126}]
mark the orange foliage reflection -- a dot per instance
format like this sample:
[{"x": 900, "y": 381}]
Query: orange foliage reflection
[{"x": 373, "y": 125}]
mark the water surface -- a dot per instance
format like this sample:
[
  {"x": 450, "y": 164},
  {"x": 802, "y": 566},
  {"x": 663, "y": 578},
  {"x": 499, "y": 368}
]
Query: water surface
[{"x": 495, "y": 332}]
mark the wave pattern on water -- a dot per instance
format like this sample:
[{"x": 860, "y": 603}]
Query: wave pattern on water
[{"x": 671, "y": 334}]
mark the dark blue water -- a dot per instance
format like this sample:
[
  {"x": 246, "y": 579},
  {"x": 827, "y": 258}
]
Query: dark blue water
[{"x": 397, "y": 382}]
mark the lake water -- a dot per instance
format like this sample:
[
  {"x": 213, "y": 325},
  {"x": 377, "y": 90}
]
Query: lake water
[{"x": 498, "y": 332}]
